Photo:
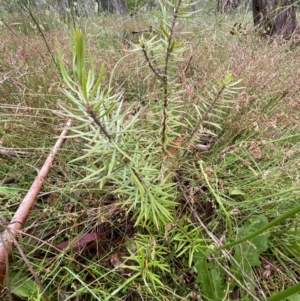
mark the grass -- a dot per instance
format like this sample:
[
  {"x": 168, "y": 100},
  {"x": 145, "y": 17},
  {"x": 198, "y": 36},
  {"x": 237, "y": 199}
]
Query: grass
[{"x": 248, "y": 177}]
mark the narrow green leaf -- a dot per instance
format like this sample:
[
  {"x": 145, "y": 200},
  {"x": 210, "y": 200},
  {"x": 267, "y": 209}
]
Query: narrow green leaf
[
  {"x": 268, "y": 226},
  {"x": 286, "y": 293}
]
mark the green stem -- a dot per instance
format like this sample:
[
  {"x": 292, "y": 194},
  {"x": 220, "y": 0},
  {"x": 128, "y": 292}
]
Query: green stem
[
  {"x": 265, "y": 227},
  {"x": 276, "y": 194},
  {"x": 218, "y": 199},
  {"x": 286, "y": 293}
]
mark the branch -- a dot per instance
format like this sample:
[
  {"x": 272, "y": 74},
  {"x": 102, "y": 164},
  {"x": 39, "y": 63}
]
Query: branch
[
  {"x": 21, "y": 215},
  {"x": 166, "y": 77},
  {"x": 149, "y": 63},
  {"x": 101, "y": 126}
]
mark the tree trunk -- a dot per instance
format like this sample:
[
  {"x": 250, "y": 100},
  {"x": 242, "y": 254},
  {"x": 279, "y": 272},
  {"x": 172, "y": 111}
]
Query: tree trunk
[
  {"x": 114, "y": 6},
  {"x": 121, "y": 7},
  {"x": 275, "y": 17},
  {"x": 105, "y": 5},
  {"x": 73, "y": 6}
]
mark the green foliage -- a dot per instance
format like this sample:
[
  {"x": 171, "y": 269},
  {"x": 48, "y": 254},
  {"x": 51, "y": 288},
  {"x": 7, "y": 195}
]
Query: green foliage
[
  {"x": 25, "y": 287},
  {"x": 161, "y": 52},
  {"x": 267, "y": 226},
  {"x": 147, "y": 199},
  {"x": 291, "y": 242},
  {"x": 247, "y": 254},
  {"x": 186, "y": 240},
  {"x": 121, "y": 153},
  {"x": 117, "y": 149},
  {"x": 168, "y": 86},
  {"x": 210, "y": 277},
  {"x": 148, "y": 259},
  {"x": 291, "y": 294},
  {"x": 218, "y": 200}
]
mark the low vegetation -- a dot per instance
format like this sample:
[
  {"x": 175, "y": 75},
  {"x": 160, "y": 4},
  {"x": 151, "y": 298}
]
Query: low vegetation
[{"x": 180, "y": 176}]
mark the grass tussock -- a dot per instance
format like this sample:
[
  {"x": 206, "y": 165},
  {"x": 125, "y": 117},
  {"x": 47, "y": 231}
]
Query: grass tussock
[{"x": 95, "y": 232}]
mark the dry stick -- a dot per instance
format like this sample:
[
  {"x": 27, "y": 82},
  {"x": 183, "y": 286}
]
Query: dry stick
[{"x": 23, "y": 211}]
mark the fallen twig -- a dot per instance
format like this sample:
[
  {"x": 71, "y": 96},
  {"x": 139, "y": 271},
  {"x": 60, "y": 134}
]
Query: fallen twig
[{"x": 20, "y": 217}]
